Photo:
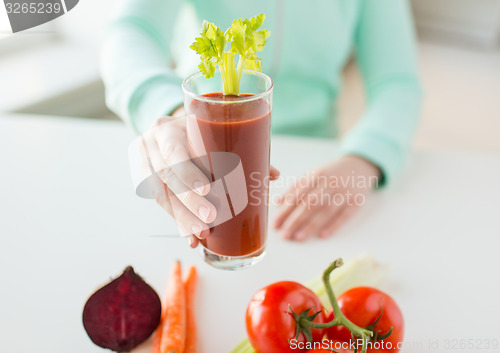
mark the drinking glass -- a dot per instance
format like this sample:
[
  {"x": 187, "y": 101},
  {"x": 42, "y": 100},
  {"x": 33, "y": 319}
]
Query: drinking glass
[{"x": 229, "y": 140}]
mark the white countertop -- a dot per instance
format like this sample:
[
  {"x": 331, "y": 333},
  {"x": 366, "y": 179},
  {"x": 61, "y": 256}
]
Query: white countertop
[{"x": 70, "y": 220}]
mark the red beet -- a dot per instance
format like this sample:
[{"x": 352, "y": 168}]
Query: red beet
[{"x": 122, "y": 314}]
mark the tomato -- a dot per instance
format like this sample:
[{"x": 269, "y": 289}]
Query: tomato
[
  {"x": 362, "y": 306},
  {"x": 270, "y": 324}
]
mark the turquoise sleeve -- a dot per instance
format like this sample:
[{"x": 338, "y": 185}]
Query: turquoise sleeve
[
  {"x": 140, "y": 86},
  {"x": 386, "y": 55}
]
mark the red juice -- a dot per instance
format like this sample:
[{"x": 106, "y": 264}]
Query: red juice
[{"x": 242, "y": 128}]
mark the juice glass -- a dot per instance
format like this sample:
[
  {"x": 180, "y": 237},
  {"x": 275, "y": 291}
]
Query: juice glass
[{"x": 229, "y": 140}]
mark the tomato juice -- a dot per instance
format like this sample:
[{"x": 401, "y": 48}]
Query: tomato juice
[{"x": 241, "y": 125}]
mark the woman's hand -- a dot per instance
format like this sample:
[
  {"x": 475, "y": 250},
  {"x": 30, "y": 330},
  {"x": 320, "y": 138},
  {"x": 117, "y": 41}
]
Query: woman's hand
[
  {"x": 185, "y": 184},
  {"x": 320, "y": 202}
]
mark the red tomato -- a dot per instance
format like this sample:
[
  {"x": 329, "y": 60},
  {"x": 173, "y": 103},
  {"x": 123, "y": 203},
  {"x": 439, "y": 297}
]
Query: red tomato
[
  {"x": 270, "y": 324},
  {"x": 362, "y": 305}
]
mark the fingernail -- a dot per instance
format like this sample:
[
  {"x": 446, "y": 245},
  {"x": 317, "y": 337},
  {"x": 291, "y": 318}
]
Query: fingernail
[
  {"x": 198, "y": 187},
  {"x": 196, "y": 228},
  {"x": 204, "y": 234},
  {"x": 190, "y": 240},
  {"x": 204, "y": 213},
  {"x": 300, "y": 235}
]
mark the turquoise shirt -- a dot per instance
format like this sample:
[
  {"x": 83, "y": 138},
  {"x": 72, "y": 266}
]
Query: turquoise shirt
[{"x": 309, "y": 45}]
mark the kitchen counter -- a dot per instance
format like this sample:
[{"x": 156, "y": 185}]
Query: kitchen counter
[{"x": 70, "y": 220}]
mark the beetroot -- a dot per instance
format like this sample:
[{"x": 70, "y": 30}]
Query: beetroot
[{"x": 122, "y": 314}]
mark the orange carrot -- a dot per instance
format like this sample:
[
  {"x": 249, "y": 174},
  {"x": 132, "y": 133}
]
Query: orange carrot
[
  {"x": 192, "y": 337},
  {"x": 159, "y": 330},
  {"x": 157, "y": 338},
  {"x": 173, "y": 333}
]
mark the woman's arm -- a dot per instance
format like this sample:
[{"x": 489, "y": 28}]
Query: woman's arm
[
  {"x": 135, "y": 62},
  {"x": 386, "y": 55}
]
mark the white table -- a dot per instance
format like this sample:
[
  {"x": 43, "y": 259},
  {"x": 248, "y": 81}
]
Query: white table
[{"x": 70, "y": 220}]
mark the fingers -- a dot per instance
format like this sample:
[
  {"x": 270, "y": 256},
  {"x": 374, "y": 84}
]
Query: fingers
[
  {"x": 320, "y": 221},
  {"x": 274, "y": 173},
  {"x": 335, "y": 223},
  {"x": 195, "y": 203},
  {"x": 307, "y": 206},
  {"x": 293, "y": 221},
  {"x": 187, "y": 222},
  {"x": 314, "y": 210},
  {"x": 193, "y": 241},
  {"x": 312, "y": 224},
  {"x": 291, "y": 199},
  {"x": 165, "y": 150},
  {"x": 181, "y": 176},
  {"x": 151, "y": 153},
  {"x": 322, "y": 201},
  {"x": 172, "y": 147}
]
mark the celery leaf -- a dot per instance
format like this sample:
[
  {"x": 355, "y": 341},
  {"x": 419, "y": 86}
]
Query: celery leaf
[{"x": 245, "y": 40}]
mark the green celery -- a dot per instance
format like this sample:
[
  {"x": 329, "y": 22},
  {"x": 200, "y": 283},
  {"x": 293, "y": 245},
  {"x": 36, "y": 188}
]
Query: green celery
[{"x": 245, "y": 41}]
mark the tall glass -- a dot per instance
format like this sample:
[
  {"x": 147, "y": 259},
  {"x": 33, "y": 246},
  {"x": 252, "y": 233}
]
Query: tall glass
[{"x": 229, "y": 140}]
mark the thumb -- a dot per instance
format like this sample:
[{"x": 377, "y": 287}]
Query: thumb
[{"x": 274, "y": 173}]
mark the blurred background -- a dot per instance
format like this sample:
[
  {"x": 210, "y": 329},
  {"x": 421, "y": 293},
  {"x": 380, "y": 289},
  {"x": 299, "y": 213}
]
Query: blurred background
[{"x": 459, "y": 55}]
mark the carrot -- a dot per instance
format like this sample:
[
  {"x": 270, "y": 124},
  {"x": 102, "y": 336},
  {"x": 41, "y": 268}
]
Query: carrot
[
  {"x": 173, "y": 331},
  {"x": 159, "y": 330},
  {"x": 192, "y": 337},
  {"x": 157, "y": 338}
]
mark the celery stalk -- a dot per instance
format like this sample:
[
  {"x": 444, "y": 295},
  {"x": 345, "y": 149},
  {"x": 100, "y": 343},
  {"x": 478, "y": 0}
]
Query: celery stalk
[
  {"x": 245, "y": 40},
  {"x": 362, "y": 270}
]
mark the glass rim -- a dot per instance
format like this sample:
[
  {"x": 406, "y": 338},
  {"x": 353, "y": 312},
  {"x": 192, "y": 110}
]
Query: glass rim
[{"x": 243, "y": 100}]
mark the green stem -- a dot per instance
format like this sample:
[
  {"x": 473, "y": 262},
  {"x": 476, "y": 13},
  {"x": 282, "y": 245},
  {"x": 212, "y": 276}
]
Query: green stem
[
  {"x": 239, "y": 70},
  {"x": 228, "y": 68},
  {"x": 339, "y": 318},
  {"x": 223, "y": 76}
]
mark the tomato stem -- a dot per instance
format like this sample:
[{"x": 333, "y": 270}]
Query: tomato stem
[{"x": 339, "y": 318}]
